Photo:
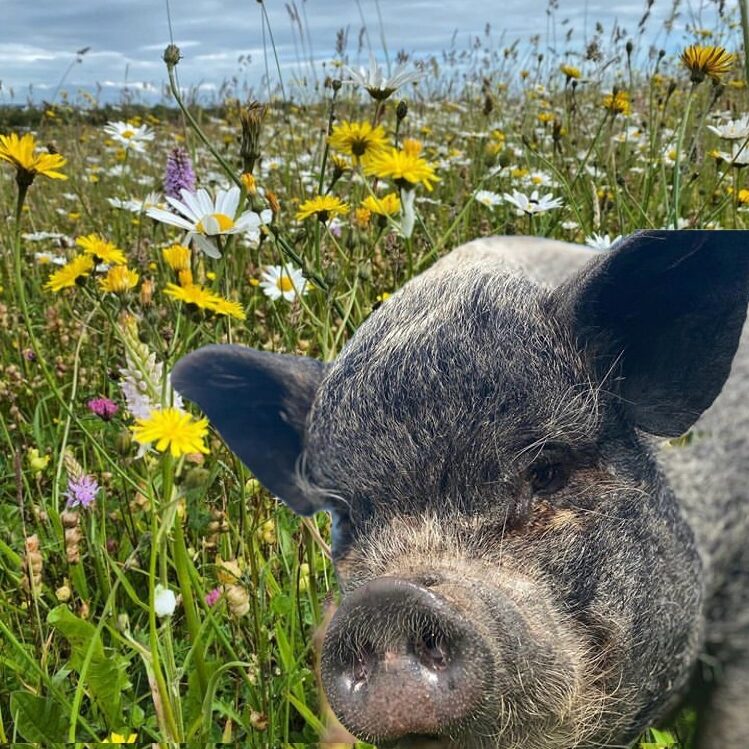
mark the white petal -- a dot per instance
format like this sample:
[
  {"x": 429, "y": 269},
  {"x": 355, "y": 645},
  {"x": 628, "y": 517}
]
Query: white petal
[{"x": 159, "y": 214}]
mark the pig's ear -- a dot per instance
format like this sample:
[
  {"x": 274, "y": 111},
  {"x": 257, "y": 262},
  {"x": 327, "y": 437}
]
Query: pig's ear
[
  {"x": 663, "y": 312},
  {"x": 258, "y": 401}
]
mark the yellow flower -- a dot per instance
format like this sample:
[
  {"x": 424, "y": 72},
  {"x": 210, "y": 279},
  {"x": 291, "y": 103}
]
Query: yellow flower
[
  {"x": 177, "y": 257},
  {"x": 710, "y": 61},
  {"x": 357, "y": 139},
  {"x": 185, "y": 277},
  {"x": 118, "y": 738},
  {"x": 119, "y": 279},
  {"x": 322, "y": 206},
  {"x": 362, "y": 217},
  {"x": 69, "y": 274},
  {"x": 20, "y": 153},
  {"x": 37, "y": 462},
  {"x": 96, "y": 245},
  {"x": 617, "y": 102},
  {"x": 570, "y": 71},
  {"x": 191, "y": 294},
  {"x": 387, "y": 205},
  {"x": 743, "y": 197},
  {"x": 249, "y": 183},
  {"x": 229, "y": 307},
  {"x": 405, "y": 167},
  {"x": 545, "y": 116},
  {"x": 174, "y": 430}
]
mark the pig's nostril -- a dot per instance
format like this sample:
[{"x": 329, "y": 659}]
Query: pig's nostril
[{"x": 431, "y": 649}]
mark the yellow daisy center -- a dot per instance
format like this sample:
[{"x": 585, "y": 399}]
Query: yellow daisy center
[
  {"x": 284, "y": 283},
  {"x": 215, "y": 223},
  {"x": 127, "y": 134}
]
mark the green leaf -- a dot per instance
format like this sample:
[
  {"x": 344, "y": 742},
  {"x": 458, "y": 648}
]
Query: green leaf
[
  {"x": 105, "y": 676},
  {"x": 38, "y": 719}
]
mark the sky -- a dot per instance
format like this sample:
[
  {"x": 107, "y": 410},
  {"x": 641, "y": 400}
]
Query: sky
[{"x": 126, "y": 38}]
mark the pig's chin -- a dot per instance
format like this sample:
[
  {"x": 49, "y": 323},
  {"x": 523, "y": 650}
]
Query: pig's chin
[{"x": 434, "y": 662}]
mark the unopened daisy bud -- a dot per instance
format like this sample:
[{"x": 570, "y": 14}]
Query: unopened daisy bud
[
  {"x": 273, "y": 203},
  {"x": 303, "y": 577},
  {"x": 252, "y": 486},
  {"x": 196, "y": 477},
  {"x": 259, "y": 721},
  {"x": 251, "y": 119},
  {"x": 336, "y": 84},
  {"x": 172, "y": 55},
  {"x": 164, "y": 601},
  {"x": 401, "y": 110},
  {"x": 64, "y": 593},
  {"x": 238, "y": 600},
  {"x": 267, "y": 531},
  {"x": 146, "y": 292},
  {"x": 123, "y": 442}
]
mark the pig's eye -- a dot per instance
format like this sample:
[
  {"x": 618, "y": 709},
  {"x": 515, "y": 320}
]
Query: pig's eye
[{"x": 546, "y": 477}]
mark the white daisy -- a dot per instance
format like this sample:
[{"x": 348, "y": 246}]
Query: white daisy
[
  {"x": 131, "y": 137},
  {"x": 205, "y": 218},
  {"x": 532, "y": 205},
  {"x": 487, "y": 198},
  {"x": 379, "y": 86},
  {"x": 283, "y": 281},
  {"x": 41, "y": 236},
  {"x": 733, "y": 130},
  {"x": 601, "y": 241},
  {"x": 152, "y": 200}
]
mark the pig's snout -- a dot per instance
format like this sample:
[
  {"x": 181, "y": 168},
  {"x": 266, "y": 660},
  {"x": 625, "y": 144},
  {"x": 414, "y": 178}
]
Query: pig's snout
[{"x": 400, "y": 661}]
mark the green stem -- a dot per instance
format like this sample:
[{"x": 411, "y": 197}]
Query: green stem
[{"x": 676, "y": 197}]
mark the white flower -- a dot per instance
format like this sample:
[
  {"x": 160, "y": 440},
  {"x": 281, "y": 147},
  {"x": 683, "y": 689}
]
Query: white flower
[
  {"x": 129, "y": 136},
  {"x": 47, "y": 257},
  {"x": 204, "y": 218},
  {"x": 152, "y": 200},
  {"x": 408, "y": 214},
  {"x": 283, "y": 281},
  {"x": 533, "y": 204},
  {"x": 733, "y": 130},
  {"x": 739, "y": 154},
  {"x": 164, "y": 601},
  {"x": 252, "y": 235},
  {"x": 601, "y": 241},
  {"x": 379, "y": 86},
  {"x": 41, "y": 236},
  {"x": 570, "y": 225},
  {"x": 487, "y": 198}
]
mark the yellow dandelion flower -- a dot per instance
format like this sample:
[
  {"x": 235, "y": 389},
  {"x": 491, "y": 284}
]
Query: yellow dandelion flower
[
  {"x": 119, "y": 279},
  {"x": 387, "y": 205},
  {"x": 250, "y": 185},
  {"x": 412, "y": 147},
  {"x": 174, "y": 430},
  {"x": 570, "y": 71},
  {"x": 185, "y": 277},
  {"x": 322, "y": 206},
  {"x": 191, "y": 294},
  {"x": 340, "y": 163},
  {"x": 362, "y": 217},
  {"x": 617, "y": 102},
  {"x": 98, "y": 247},
  {"x": 702, "y": 62},
  {"x": 357, "y": 139},
  {"x": 118, "y": 738},
  {"x": 69, "y": 274},
  {"x": 20, "y": 153},
  {"x": 743, "y": 197},
  {"x": 545, "y": 117},
  {"x": 229, "y": 307},
  {"x": 177, "y": 257},
  {"x": 405, "y": 167}
]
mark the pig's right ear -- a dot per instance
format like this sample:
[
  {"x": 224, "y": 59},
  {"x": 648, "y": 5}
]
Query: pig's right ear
[
  {"x": 258, "y": 401},
  {"x": 662, "y": 312}
]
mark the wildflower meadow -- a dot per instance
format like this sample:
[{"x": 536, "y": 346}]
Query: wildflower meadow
[{"x": 151, "y": 591}]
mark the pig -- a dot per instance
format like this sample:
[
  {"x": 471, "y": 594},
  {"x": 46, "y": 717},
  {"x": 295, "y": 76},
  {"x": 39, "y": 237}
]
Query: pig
[{"x": 526, "y": 555}]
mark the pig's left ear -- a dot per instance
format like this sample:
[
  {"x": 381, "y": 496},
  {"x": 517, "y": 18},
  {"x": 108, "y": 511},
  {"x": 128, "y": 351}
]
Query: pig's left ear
[
  {"x": 662, "y": 313},
  {"x": 258, "y": 401}
]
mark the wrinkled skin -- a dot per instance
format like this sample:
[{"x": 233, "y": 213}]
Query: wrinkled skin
[{"x": 515, "y": 566}]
